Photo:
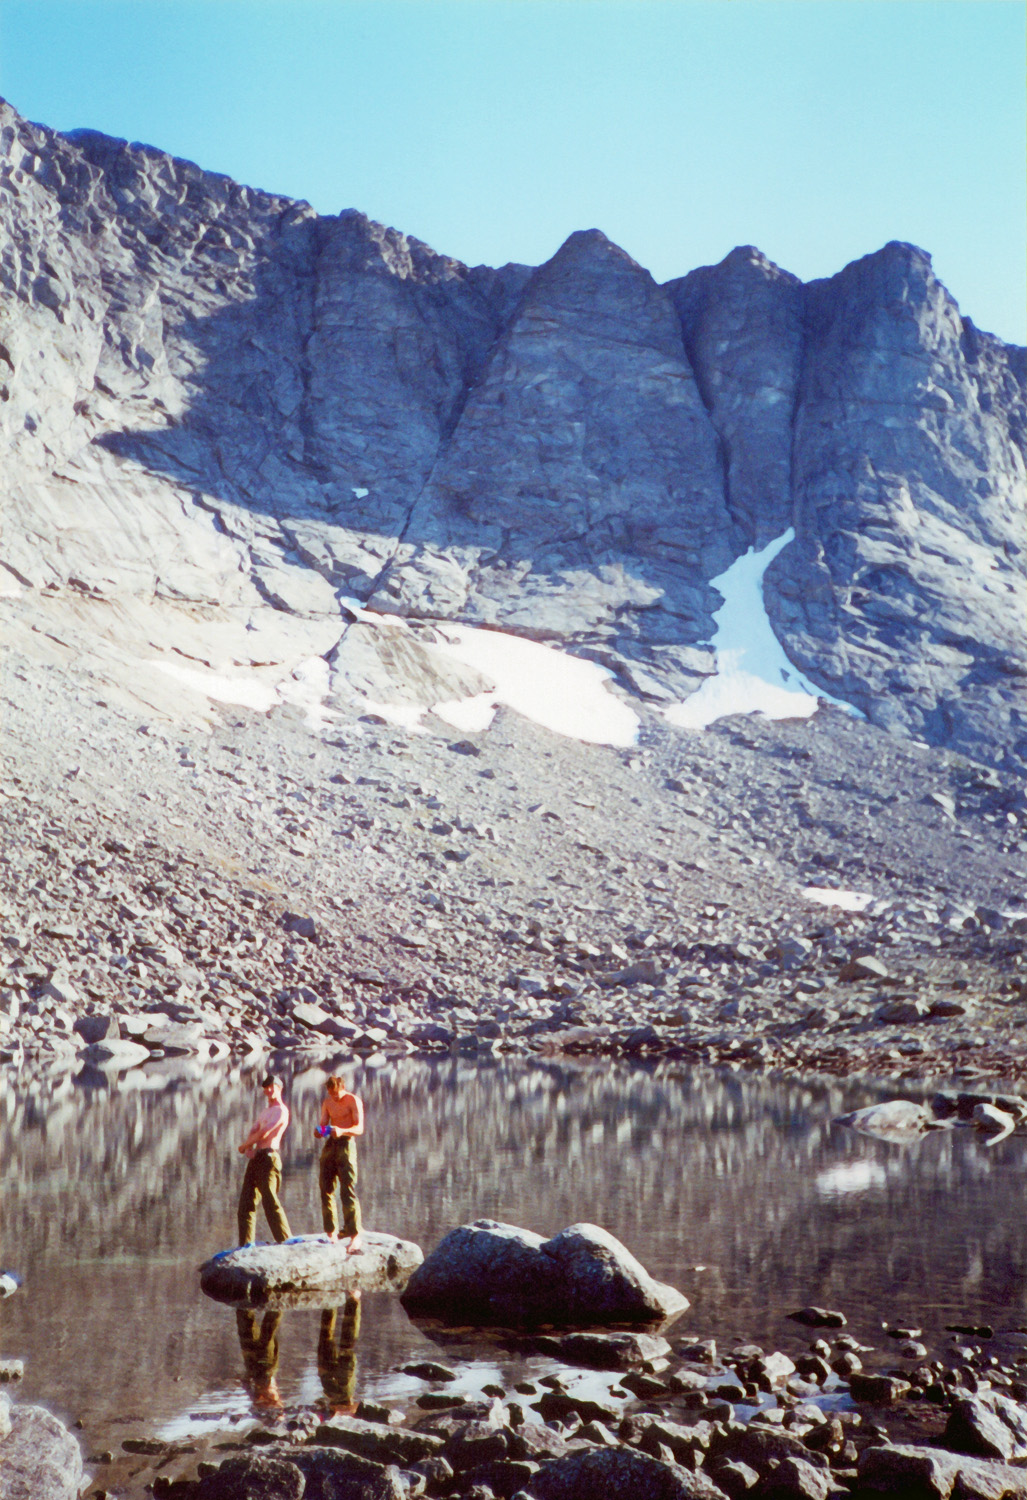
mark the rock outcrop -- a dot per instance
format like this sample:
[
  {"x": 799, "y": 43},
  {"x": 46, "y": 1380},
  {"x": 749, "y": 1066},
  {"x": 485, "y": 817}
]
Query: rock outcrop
[
  {"x": 225, "y": 418},
  {"x": 498, "y": 1274}
]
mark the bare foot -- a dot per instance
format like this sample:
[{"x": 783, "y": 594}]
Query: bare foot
[
  {"x": 355, "y": 1247},
  {"x": 333, "y": 1238}
]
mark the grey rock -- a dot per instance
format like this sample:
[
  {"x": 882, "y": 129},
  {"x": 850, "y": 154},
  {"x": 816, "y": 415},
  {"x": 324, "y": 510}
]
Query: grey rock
[
  {"x": 256, "y": 1476},
  {"x": 620, "y": 1472},
  {"x": 97, "y": 1028},
  {"x": 380, "y": 1443},
  {"x": 307, "y": 1270},
  {"x": 895, "y": 1120},
  {"x": 494, "y": 1273},
  {"x": 915, "y": 1473},
  {"x": 114, "y": 1054},
  {"x": 990, "y": 1425},
  {"x": 334, "y": 1475},
  {"x": 795, "y": 1479},
  {"x": 39, "y": 1458}
]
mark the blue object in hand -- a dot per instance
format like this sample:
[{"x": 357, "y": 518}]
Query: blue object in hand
[{"x": 324, "y": 1131}]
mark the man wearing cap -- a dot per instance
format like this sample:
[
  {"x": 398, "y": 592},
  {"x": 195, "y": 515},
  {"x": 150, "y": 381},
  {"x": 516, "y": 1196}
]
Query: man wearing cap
[{"x": 264, "y": 1168}]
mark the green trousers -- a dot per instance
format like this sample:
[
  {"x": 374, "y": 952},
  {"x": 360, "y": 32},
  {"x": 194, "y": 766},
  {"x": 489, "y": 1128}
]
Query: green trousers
[
  {"x": 339, "y": 1162},
  {"x": 263, "y": 1181}
]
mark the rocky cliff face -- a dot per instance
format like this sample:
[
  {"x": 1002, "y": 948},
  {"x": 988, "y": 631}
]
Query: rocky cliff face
[{"x": 222, "y": 407}]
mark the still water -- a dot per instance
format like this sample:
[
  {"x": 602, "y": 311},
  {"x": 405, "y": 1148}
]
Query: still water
[{"x": 737, "y": 1189}]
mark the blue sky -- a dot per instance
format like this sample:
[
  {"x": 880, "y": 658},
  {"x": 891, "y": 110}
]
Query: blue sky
[{"x": 815, "y": 129}]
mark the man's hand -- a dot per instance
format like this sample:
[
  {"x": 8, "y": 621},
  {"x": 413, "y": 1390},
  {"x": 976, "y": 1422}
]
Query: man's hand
[{"x": 242, "y": 1149}]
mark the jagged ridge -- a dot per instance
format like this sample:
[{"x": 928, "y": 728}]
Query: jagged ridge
[{"x": 214, "y": 397}]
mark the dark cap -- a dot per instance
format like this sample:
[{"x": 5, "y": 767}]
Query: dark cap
[{"x": 271, "y": 1079}]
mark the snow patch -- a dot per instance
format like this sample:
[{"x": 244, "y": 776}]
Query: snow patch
[
  {"x": 847, "y": 900},
  {"x": 753, "y": 673},
  {"x": 562, "y": 693}
]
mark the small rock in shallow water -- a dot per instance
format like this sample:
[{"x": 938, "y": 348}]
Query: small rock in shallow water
[{"x": 819, "y": 1317}]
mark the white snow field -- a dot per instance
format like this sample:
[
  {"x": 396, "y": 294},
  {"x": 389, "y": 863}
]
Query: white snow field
[
  {"x": 753, "y": 673},
  {"x": 560, "y": 692}
]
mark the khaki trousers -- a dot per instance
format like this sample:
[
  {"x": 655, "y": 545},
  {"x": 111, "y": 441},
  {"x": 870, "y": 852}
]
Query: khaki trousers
[
  {"x": 339, "y": 1162},
  {"x": 263, "y": 1181}
]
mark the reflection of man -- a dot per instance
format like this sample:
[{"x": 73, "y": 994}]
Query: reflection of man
[
  {"x": 263, "y": 1177},
  {"x": 259, "y": 1346},
  {"x": 342, "y": 1120},
  {"x": 337, "y": 1363}
]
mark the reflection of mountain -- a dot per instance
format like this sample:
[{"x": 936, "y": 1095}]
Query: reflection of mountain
[{"x": 112, "y": 1200}]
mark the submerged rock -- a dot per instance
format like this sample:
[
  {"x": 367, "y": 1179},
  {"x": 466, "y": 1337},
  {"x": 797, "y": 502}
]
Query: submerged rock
[
  {"x": 496, "y": 1273},
  {"x": 308, "y": 1270},
  {"x": 897, "y": 1120}
]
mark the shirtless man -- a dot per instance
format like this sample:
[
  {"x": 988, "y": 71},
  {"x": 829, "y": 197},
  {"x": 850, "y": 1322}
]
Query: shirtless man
[
  {"x": 342, "y": 1120},
  {"x": 263, "y": 1177}
]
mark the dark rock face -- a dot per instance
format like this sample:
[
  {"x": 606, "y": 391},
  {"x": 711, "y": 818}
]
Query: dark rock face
[
  {"x": 214, "y": 398},
  {"x": 499, "y": 1274}
]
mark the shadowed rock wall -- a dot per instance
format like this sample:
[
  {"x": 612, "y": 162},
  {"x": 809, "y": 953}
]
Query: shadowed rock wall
[{"x": 215, "y": 397}]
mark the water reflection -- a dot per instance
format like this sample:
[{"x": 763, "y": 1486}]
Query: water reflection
[
  {"x": 337, "y": 1355},
  {"x": 113, "y": 1196},
  {"x": 258, "y": 1340}
]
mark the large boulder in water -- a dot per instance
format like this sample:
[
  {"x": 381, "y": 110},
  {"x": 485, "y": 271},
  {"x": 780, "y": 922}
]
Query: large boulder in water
[
  {"x": 493, "y": 1273},
  {"x": 308, "y": 1271}
]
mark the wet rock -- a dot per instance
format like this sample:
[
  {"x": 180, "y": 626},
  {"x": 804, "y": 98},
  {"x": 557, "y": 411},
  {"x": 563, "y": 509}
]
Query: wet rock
[
  {"x": 305, "y": 1266},
  {"x": 988, "y": 1424},
  {"x": 39, "y": 1458},
  {"x": 608, "y": 1351},
  {"x": 496, "y": 1273},
  {"x": 427, "y": 1369},
  {"x": 620, "y": 1472},
  {"x": 819, "y": 1317}
]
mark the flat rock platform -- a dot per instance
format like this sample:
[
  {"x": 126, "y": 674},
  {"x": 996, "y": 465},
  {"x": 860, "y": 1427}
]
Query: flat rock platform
[{"x": 308, "y": 1269}]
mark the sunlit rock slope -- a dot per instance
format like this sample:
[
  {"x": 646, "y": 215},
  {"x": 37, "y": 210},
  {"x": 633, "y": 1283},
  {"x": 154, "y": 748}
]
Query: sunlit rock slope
[{"x": 224, "y": 416}]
